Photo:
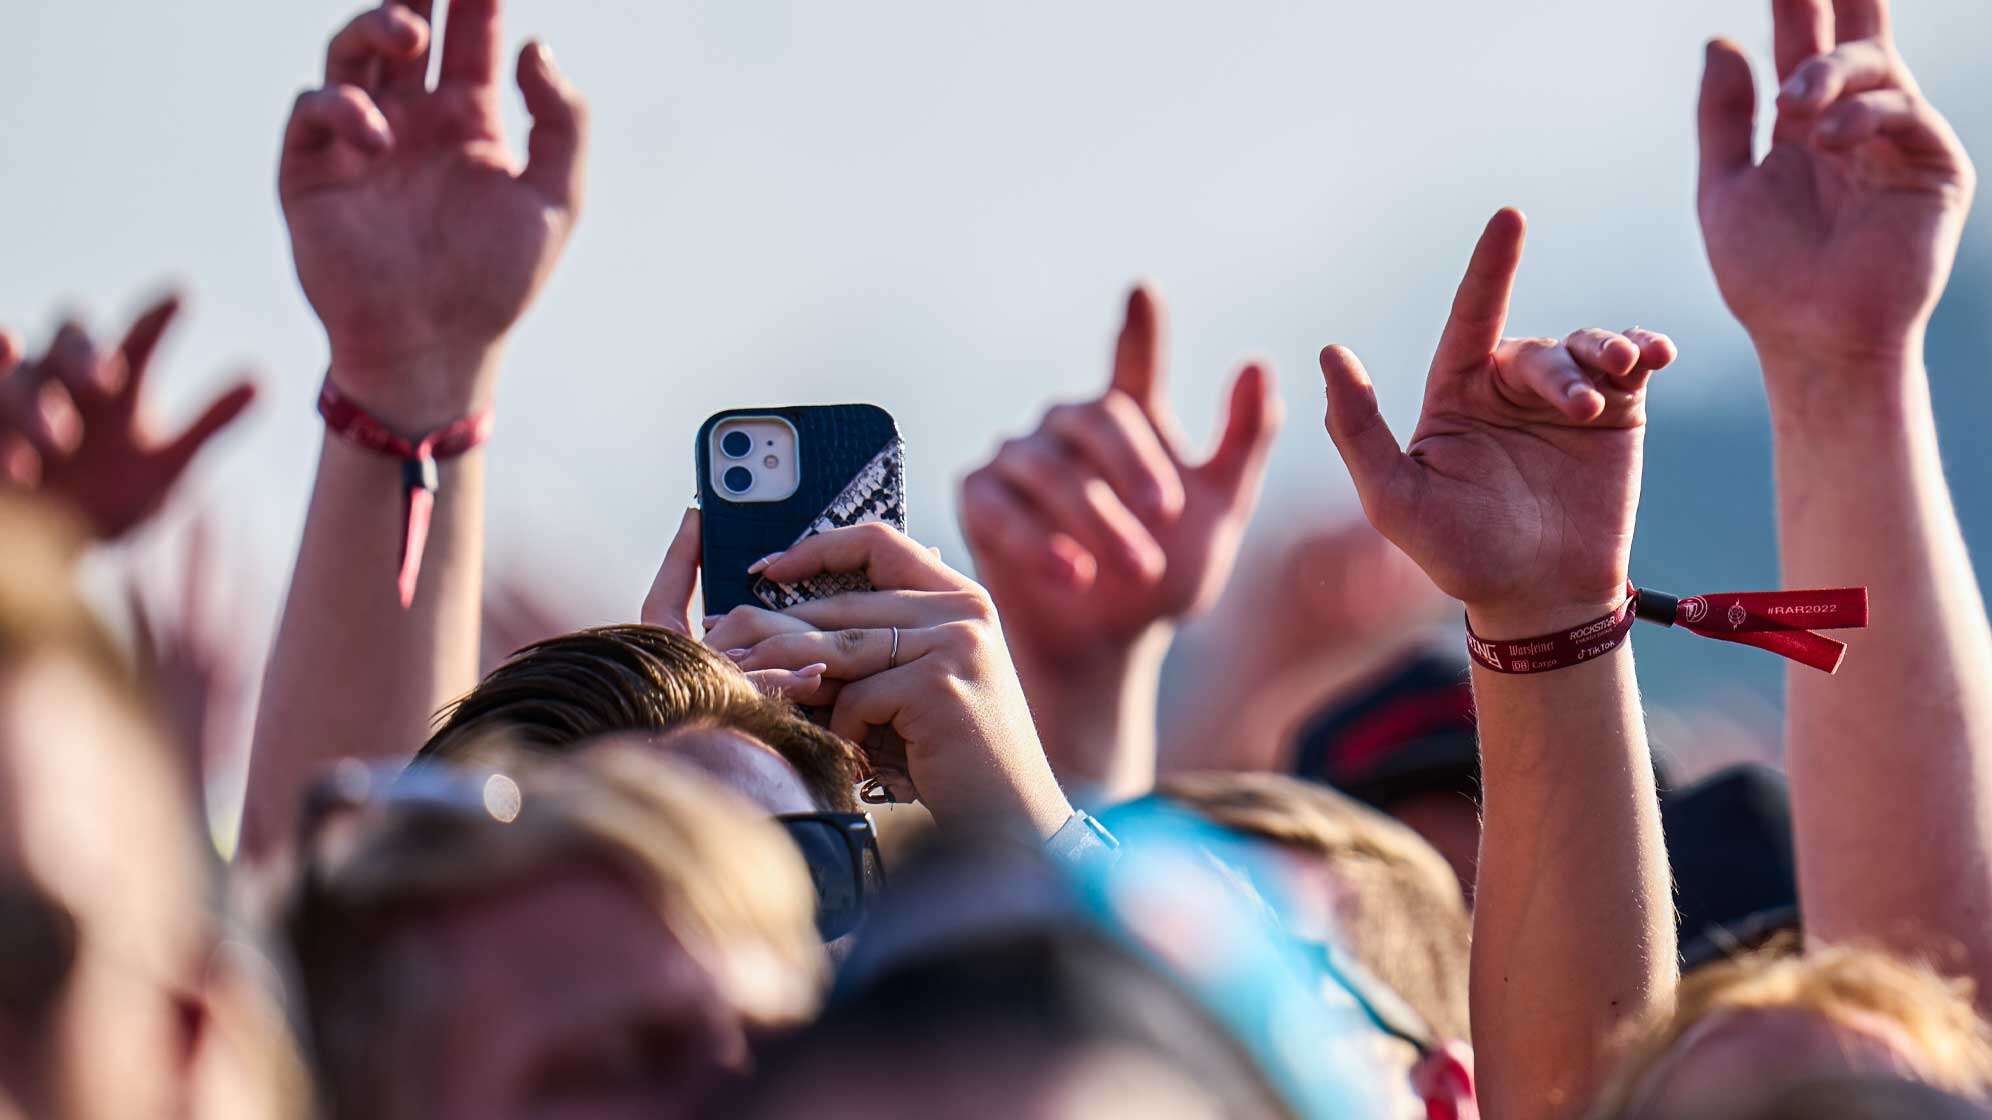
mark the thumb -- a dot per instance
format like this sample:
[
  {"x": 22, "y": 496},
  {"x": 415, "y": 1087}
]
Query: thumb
[
  {"x": 669, "y": 603},
  {"x": 1356, "y": 425},
  {"x": 1252, "y": 419},
  {"x": 1727, "y": 113},
  {"x": 554, "y": 153},
  {"x": 175, "y": 457}
]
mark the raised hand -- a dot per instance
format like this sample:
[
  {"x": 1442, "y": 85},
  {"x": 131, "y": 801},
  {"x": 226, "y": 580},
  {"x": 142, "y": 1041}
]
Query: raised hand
[
  {"x": 72, "y": 424},
  {"x": 1520, "y": 487},
  {"x": 419, "y": 237},
  {"x": 1101, "y": 524},
  {"x": 922, "y": 656},
  {"x": 1837, "y": 245}
]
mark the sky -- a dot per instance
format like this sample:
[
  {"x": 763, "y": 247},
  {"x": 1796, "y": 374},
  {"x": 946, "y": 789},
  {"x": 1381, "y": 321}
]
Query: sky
[{"x": 935, "y": 207}]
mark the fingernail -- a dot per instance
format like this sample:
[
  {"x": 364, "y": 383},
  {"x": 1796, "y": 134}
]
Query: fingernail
[
  {"x": 738, "y": 654},
  {"x": 1576, "y": 389},
  {"x": 545, "y": 52},
  {"x": 761, "y": 565},
  {"x": 711, "y": 620},
  {"x": 815, "y": 670}
]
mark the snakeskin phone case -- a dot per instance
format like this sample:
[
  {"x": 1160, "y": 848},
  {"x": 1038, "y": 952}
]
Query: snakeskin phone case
[
  {"x": 853, "y": 470},
  {"x": 877, "y": 494}
]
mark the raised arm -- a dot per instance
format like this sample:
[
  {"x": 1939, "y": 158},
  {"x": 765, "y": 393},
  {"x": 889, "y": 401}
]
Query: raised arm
[
  {"x": 420, "y": 240},
  {"x": 1097, "y": 533},
  {"x": 1518, "y": 498},
  {"x": 1832, "y": 251}
]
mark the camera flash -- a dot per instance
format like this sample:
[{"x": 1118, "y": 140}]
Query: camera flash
[{"x": 771, "y": 462}]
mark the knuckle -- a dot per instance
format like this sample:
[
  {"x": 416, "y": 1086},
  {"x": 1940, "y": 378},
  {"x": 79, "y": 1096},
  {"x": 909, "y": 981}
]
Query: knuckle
[{"x": 850, "y": 640}]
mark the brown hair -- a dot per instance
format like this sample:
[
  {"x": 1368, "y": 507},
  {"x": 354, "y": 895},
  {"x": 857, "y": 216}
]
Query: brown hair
[
  {"x": 554, "y": 695},
  {"x": 1840, "y": 983},
  {"x": 1404, "y": 919},
  {"x": 722, "y": 879}
]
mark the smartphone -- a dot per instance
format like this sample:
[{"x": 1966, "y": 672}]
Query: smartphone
[{"x": 770, "y": 477}]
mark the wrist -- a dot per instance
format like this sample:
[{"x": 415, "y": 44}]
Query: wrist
[
  {"x": 414, "y": 394},
  {"x": 1510, "y": 621}
]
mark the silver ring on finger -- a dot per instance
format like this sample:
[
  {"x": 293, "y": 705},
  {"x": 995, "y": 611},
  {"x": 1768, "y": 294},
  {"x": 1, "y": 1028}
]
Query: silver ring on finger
[{"x": 892, "y": 659}]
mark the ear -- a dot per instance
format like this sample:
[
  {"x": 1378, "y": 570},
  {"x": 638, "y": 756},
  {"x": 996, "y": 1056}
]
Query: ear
[{"x": 1444, "y": 1081}]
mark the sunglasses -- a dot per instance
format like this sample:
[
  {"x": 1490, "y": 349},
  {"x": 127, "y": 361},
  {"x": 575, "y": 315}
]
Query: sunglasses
[
  {"x": 840, "y": 849},
  {"x": 841, "y": 852}
]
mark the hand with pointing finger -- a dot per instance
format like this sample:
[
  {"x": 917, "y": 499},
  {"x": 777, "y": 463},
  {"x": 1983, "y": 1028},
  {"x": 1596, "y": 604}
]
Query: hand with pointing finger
[
  {"x": 1834, "y": 248},
  {"x": 1101, "y": 524},
  {"x": 72, "y": 424},
  {"x": 1520, "y": 485},
  {"x": 420, "y": 239},
  {"x": 1099, "y": 531}
]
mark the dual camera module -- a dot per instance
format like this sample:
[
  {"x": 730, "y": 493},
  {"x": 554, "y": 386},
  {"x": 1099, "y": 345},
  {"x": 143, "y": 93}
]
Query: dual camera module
[
  {"x": 737, "y": 444},
  {"x": 754, "y": 459}
]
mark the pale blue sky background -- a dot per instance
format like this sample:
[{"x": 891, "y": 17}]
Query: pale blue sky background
[{"x": 937, "y": 206}]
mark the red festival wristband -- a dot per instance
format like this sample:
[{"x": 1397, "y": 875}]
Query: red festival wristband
[
  {"x": 419, "y": 477},
  {"x": 1780, "y": 621}
]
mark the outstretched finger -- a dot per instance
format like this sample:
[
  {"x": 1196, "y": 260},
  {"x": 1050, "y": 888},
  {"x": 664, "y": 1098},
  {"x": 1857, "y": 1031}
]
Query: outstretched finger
[
  {"x": 173, "y": 459},
  {"x": 407, "y": 77},
  {"x": 555, "y": 162},
  {"x": 1252, "y": 420},
  {"x": 11, "y": 352},
  {"x": 141, "y": 342},
  {"x": 1141, "y": 352},
  {"x": 1361, "y": 436},
  {"x": 473, "y": 34},
  {"x": 1800, "y": 29},
  {"x": 1480, "y": 309},
  {"x": 1852, "y": 68},
  {"x": 1005, "y": 531},
  {"x": 359, "y": 53},
  {"x": 1860, "y": 19},
  {"x": 669, "y": 603},
  {"x": 887, "y": 557},
  {"x": 1727, "y": 118},
  {"x": 1542, "y": 369}
]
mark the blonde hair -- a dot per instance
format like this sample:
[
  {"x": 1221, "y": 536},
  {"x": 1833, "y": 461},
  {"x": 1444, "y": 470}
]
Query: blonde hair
[
  {"x": 1405, "y": 921},
  {"x": 721, "y": 877},
  {"x": 1842, "y": 984}
]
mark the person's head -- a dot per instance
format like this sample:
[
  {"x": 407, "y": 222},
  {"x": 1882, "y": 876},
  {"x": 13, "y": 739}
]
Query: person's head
[
  {"x": 657, "y": 686},
  {"x": 1049, "y": 1023},
  {"x": 1356, "y": 879},
  {"x": 603, "y": 935},
  {"x": 1746, "y": 1030},
  {"x": 103, "y": 887},
  {"x": 1860, "y": 1098}
]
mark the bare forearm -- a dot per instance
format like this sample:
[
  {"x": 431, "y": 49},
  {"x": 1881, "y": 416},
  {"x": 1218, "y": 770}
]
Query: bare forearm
[
  {"x": 1096, "y": 715},
  {"x": 352, "y": 673},
  {"x": 1573, "y": 934},
  {"x": 1891, "y": 760}
]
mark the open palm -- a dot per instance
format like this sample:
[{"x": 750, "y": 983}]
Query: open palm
[
  {"x": 419, "y": 238},
  {"x": 1844, "y": 235},
  {"x": 1521, "y": 483}
]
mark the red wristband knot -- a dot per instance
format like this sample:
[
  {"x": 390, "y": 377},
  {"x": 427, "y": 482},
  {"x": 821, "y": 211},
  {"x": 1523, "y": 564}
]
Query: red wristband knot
[{"x": 420, "y": 475}]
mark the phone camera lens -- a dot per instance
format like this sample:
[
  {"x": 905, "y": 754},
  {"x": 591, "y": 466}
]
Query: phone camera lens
[
  {"x": 736, "y": 445},
  {"x": 738, "y": 480}
]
